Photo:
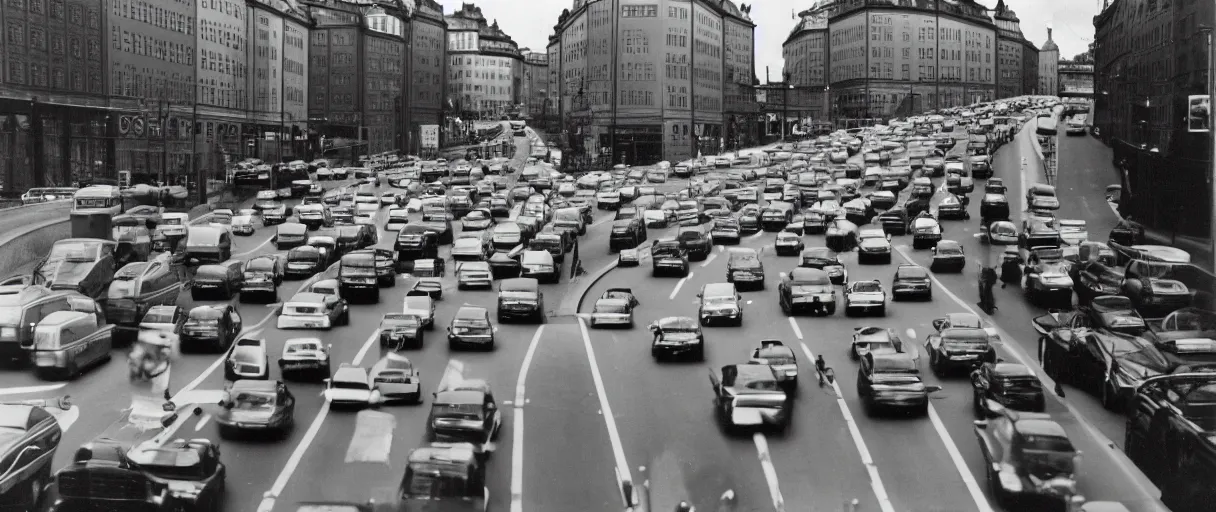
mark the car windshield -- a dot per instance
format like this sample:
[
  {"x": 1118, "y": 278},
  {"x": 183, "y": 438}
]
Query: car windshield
[
  {"x": 1021, "y": 385},
  {"x": 74, "y": 251},
  {"x": 303, "y": 347},
  {"x": 253, "y": 400},
  {"x": 434, "y": 483},
  {"x": 158, "y": 317},
  {"x": 911, "y": 273},
  {"x": 611, "y": 308},
  {"x": 867, "y": 287}
]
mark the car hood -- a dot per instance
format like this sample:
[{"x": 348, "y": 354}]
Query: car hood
[
  {"x": 65, "y": 272},
  {"x": 874, "y": 243}
]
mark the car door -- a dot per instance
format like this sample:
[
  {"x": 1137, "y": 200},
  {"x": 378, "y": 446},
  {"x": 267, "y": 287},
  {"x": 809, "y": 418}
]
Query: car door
[{"x": 1093, "y": 362}]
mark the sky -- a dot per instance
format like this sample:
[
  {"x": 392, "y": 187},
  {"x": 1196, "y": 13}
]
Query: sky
[{"x": 530, "y": 23}]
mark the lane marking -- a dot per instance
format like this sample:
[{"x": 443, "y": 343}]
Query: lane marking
[
  {"x": 1012, "y": 348},
  {"x": 679, "y": 285},
  {"x": 297, "y": 455},
  {"x": 709, "y": 259},
  {"x": 517, "y": 426},
  {"x": 31, "y": 389},
  {"x": 614, "y": 436},
  {"x": 202, "y": 422},
  {"x": 973, "y": 488},
  {"x": 880, "y": 490},
  {"x": 794, "y": 325},
  {"x": 372, "y": 440},
  {"x": 770, "y": 473},
  {"x": 255, "y": 249}
]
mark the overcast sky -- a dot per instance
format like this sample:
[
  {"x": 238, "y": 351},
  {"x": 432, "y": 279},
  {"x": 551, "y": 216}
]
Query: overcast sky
[{"x": 530, "y": 23}]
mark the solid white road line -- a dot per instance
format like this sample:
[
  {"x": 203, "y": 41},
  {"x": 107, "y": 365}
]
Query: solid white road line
[
  {"x": 517, "y": 427},
  {"x": 679, "y": 285},
  {"x": 202, "y": 422},
  {"x": 614, "y": 436},
  {"x": 880, "y": 490},
  {"x": 305, "y": 442},
  {"x": 973, "y": 488},
  {"x": 770, "y": 473},
  {"x": 1126, "y": 466},
  {"x": 709, "y": 259},
  {"x": 31, "y": 389},
  {"x": 255, "y": 249},
  {"x": 794, "y": 325}
]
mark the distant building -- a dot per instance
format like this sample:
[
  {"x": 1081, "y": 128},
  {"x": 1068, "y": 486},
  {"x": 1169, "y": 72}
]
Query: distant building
[
  {"x": 427, "y": 75},
  {"x": 485, "y": 68},
  {"x": 1017, "y": 57},
  {"x": 1049, "y": 67},
  {"x": 277, "y": 81},
  {"x": 1076, "y": 79},
  {"x": 893, "y": 59},
  {"x": 535, "y": 83},
  {"x": 653, "y": 81}
]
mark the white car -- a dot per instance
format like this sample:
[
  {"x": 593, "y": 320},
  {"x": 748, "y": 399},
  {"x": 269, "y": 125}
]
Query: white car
[
  {"x": 352, "y": 386},
  {"x": 247, "y": 360},
  {"x": 396, "y": 379},
  {"x": 397, "y": 217},
  {"x": 614, "y": 307},
  {"x": 421, "y": 306},
  {"x": 305, "y": 356},
  {"x": 339, "y": 173},
  {"x": 314, "y": 311},
  {"x": 865, "y": 297},
  {"x": 324, "y": 173}
]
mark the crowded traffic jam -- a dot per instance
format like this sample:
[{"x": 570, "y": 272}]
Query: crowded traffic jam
[{"x": 810, "y": 303}]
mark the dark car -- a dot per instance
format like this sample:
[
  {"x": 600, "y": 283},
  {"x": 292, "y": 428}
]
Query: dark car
[
  {"x": 1012, "y": 385},
  {"x": 210, "y": 328},
  {"x": 994, "y": 206},
  {"x": 841, "y": 236},
  {"x": 826, "y": 260},
  {"x": 400, "y": 330},
  {"x": 189, "y": 470},
  {"x": 750, "y": 397},
  {"x": 725, "y": 231},
  {"x": 521, "y": 298},
  {"x": 744, "y": 268},
  {"x": 892, "y": 380},
  {"x": 471, "y": 327},
  {"x": 626, "y": 234},
  {"x": 894, "y": 221},
  {"x": 304, "y": 262},
  {"x": 669, "y": 257},
  {"x": 781, "y": 358},
  {"x": 948, "y": 257},
  {"x": 256, "y": 406},
  {"x": 217, "y": 281},
  {"x": 953, "y": 348},
  {"x": 1106, "y": 364},
  {"x": 1157, "y": 287},
  {"x": 807, "y": 290},
  {"x": 911, "y": 280},
  {"x": 464, "y": 411},
  {"x": 677, "y": 336},
  {"x": 1029, "y": 460},
  {"x": 696, "y": 242},
  {"x": 952, "y": 207}
]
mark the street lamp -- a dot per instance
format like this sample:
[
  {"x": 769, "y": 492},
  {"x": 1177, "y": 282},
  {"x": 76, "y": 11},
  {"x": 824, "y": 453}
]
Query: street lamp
[{"x": 785, "y": 101}]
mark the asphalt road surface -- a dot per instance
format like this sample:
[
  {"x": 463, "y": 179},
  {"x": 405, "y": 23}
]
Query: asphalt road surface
[{"x": 585, "y": 408}]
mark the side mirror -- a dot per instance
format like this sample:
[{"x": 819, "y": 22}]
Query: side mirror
[
  {"x": 939, "y": 323},
  {"x": 932, "y": 389}
]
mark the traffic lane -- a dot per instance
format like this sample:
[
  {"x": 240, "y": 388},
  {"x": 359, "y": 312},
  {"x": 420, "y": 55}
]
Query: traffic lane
[
  {"x": 361, "y": 479},
  {"x": 22, "y": 217},
  {"x": 567, "y": 455},
  {"x": 1085, "y": 170},
  {"x": 714, "y": 460}
]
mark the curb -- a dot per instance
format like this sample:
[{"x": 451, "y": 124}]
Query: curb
[{"x": 575, "y": 302}]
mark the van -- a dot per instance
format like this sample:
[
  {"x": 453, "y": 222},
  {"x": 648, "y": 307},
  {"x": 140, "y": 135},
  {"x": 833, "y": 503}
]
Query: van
[
  {"x": 521, "y": 298},
  {"x": 776, "y": 216},
  {"x": 138, "y": 287},
  {"x": 24, "y": 308},
  {"x": 210, "y": 244},
  {"x": 539, "y": 265},
  {"x": 720, "y": 302},
  {"x": 290, "y": 235},
  {"x": 65, "y": 342}
]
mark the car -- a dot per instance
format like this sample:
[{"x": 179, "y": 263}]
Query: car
[
  {"x": 399, "y": 330},
  {"x": 189, "y": 471},
  {"x": 352, "y": 386},
  {"x": 164, "y": 318},
  {"x": 892, "y": 380},
  {"x": 1000, "y": 233},
  {"x": 749, "y": 397},
  {"x": 1073, "y": 231},
  {"x": 744, "y": 268},
  {"x": 720, "y": 302},
  {"x": 807, "y": 289},
  {"x": 788, "y": 244},
  {"x": 958, "y": 346},
  {"x": 725, "y": 231},
  {"x": 948, "y": 257},
  {"x": 781, "y": 358},
  {"x": 471, "y": 327},
  {"x": 1039, "y": 231},
  {"x": 422, "y": 306},
  {"x": 873, "y": 246},
  {"x": 247, "y": 360},
  {"x": 397, "y": 217},
  {"x": 826, "y": 260},
  {"x": 394, "y": 375},
  {"x": 614, "y": 308},
  {"x": 242, "y": 225},
  {"x": 861, "y": 297},
  {"x": 474, "y": 274},
  {"x": 323, "y": 287},
  {"x": 1047, "y": 281},
  {"x": 308, "y": 310},
  {"x": 668, "y": 257},
  {"x": 210, "y": 327},
  {"x": 841, "y": 235},
  {"x": 471, "y": 248},
  {"x": 305, "y": 261},
  {"x": 926, "y": 231},
  {"x": 391, "y": 197},
  {"x": 880, "y": 340},
  {"x": 1012, "y": 385},
  {"x": 952, "y": 207},
  {"x": 428, "y": 286},
  {"x": 464, "y": 411},
  {"x": 1042, "y": 197},
  {"x": 677, "y": 336},
  {"x": 1028, "y": 459},
  {"x": 305, "y": 359},
  {"x": 256, "y": 406},
  {"x": 477, "y": 220}
]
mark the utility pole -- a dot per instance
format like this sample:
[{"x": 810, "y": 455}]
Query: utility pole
[
  {"x": 785, "y": 102},
  {"x": 1212, "y": 137}
]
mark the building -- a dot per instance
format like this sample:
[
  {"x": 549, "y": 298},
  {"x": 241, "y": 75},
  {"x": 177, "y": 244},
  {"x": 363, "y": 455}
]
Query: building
[
  {"x": 427, "y": 72},
  {"x": 485, "y": 66},
  {"x": 805, "y": 54},
  {"x": 1049, "y": 67},
  {"x": 1149, "y": 57},
  {"x": 740, "y": 110},
  {"x": 552, "y": 116},
  {"x": 535, "y": 84},
  {"x": 277, "y": 83},
  {"x": 887, "y": 58},
  {"x": 222, "y": 80},
  {"x": 54, "y": 126},
  {"x": 1017, "y": 57},
  {"x": 357, "y": 63},
  {"x": 1076, "y": 79},
  {"x": 641, "y": 82}
]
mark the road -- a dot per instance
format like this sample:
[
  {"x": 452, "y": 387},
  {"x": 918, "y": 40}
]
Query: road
[
  {"x": 586, "y": 408},
  {"x": 18, "y": 218}
]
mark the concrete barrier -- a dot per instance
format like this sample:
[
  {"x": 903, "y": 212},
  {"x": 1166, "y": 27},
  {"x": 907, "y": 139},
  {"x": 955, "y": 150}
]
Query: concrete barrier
[{"x": 24, "y": 247}]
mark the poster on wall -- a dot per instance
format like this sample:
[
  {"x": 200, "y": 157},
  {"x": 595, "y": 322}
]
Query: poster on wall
[
  {"x": 1199, "y": 113},
  {"x": 429, "y": 133}
]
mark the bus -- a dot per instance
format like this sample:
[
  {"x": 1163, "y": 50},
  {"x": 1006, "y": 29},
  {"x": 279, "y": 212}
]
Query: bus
[
  {"x": 44, "y": 194},
  {"x": 98, "y": 199}
]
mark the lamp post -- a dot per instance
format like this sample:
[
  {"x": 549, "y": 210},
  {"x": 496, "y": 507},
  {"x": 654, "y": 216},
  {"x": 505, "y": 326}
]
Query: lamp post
[
  {"x": 1211, "y": 91},
  {"x": 785, "y": 101}
]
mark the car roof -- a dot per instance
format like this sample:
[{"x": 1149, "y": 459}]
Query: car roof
[
  {"x": 677, "y": 322},
  {"x": 351, "y": 373},
  {"x": 471, "y": 312},
  {"x": 719, "y": 289},
  {"x": 253, "y": 385},
  {"x": 1038, "y": 424},
  {"x": 1012, "y": 370},
  {"x": 308, "y": 298}
]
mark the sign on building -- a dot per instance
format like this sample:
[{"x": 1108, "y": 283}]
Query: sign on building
[
  {"x": 429, "y": 133},
  {"x": 1199, "y": 113}
]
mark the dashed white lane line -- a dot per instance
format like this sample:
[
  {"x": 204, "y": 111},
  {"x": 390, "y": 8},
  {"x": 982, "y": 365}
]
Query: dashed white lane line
[
  {"x": 517, "y": 426},
  {"x": 880, "y": 490},
  {"x": 293, "y": 462},
  {"x": 794, "y": 325},
  {"x": 31, "y": 389},
  {"x": 770, "y": 473},
  {"x": 623, "y": 474},
  {"x": 202, "y": 422},
  {"x": 679, "y": 285},
  {"x": 973, "y": 488},
  {"x": 708, "y": 259}
]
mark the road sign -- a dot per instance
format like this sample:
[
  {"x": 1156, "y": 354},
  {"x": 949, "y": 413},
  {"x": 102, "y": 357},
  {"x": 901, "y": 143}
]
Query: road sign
[{"x": 430, "y": 136}]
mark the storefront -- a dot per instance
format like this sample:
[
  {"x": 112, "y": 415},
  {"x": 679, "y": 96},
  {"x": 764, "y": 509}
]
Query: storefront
[
  {"x": 46, "y": 144},
  {"x": 635, "y": 144},
  {"x": 152, "y": 150}
]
